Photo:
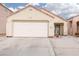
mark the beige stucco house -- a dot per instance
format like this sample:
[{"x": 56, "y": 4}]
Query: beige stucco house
[
  {"x": 33, "y": 22},
  {"x": 4, "y": 13},
  {"x": 73, "y": 25}
]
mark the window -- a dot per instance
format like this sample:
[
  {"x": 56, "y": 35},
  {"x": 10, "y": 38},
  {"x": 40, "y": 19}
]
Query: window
[{"x": 78, "y": 26}]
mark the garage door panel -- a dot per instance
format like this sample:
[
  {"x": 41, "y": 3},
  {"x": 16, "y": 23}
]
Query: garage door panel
[{"x": 30, "y": 29}]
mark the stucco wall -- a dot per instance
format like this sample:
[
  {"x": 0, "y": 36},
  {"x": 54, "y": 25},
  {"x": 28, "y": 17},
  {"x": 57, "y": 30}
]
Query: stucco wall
[
  {"x": 74, "y": 25},
  {"x": 75, "y": 20},
  {"x": 33, "y": 14},
  {"x": 4, "y": 13},
  {"x": 70, "y": 32}
]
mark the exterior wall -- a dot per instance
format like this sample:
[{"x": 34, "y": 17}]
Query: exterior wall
[
  {"x": 33, "y": 14},
  {"x": 65, "y": 29},
  {"x": 70, "y": 32},
  {"x": 3, "y": 17},
  {"x": 75, "y": 20},
  {"x": 74, "y": 25}
]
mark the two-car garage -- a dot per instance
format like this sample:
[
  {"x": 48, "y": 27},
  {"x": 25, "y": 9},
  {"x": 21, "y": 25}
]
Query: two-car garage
[{"x": 30, "y": 28}]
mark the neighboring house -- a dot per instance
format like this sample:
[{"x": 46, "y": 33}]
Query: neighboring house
[
  {"x": 4, "y": 13},
  {"x": 73, "y": 25},
  {"x": 33, "y": 22}
]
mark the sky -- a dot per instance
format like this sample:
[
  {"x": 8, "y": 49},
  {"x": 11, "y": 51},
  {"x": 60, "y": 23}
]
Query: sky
[{"x": 64, "y": 10}]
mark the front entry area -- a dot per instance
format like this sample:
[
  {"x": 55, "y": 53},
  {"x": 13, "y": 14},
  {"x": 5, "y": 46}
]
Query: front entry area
[
  {"x": 30, "y": 28},
  {"x": 58, "y": 28}
]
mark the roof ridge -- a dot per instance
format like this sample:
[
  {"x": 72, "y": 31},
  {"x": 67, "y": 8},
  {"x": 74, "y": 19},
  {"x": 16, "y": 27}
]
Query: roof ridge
[
  {"x": 27, "y": 7},
  {"x": 40, "y": 10},
  {"x": 53, "y": 13},
  {"x": 6, "y": 7},
  {"x": 73, "y": 17}
]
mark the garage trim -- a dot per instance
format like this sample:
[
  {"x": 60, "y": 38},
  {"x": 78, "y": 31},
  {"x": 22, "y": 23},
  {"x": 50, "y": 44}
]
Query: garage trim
[
  {"x": 39, "y": 21},
  {"x": 30, "y": 21}
]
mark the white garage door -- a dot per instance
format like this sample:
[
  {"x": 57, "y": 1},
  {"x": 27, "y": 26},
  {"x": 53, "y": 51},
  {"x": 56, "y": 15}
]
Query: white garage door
[{"x": 30, "y": 29}]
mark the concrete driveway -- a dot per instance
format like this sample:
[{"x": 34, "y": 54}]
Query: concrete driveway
[
  {"x": 65, "y": 46},
  {"x": 25, "y": 47},
  {"x": 62, "y": 46}
]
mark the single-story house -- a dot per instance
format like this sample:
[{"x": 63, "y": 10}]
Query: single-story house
[
  {"x": 73, "y": 25},
  {"x": 34, "y": 22},
  {"x": 4, "y": 13}
]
